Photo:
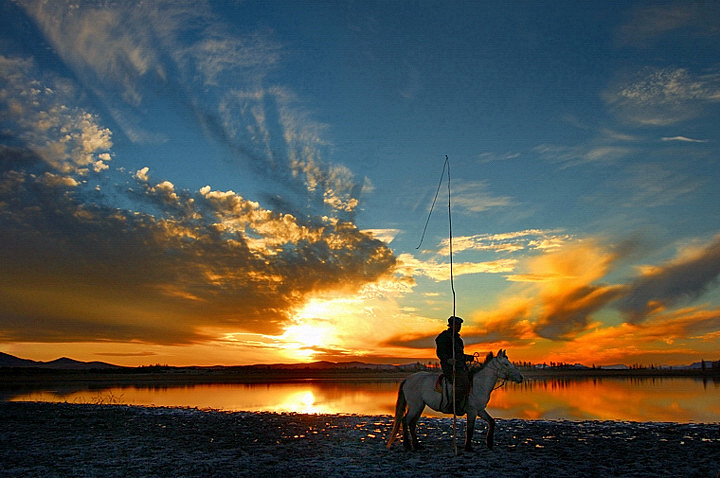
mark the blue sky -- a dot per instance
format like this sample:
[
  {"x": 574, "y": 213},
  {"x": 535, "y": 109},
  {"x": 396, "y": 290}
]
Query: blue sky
[{"x": 240, "y": 182}]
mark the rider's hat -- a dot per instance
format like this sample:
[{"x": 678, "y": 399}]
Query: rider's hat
[{"x": 453, "y": 319}]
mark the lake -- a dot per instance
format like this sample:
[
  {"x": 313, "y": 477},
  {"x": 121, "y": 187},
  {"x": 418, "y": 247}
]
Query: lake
[{"x": 629, "y": 399}]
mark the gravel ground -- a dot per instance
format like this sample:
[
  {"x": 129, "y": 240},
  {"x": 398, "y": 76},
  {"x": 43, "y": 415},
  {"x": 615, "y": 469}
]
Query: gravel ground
[{"x": 45, "y": 439}]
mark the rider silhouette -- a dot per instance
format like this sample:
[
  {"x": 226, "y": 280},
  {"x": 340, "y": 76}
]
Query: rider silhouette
[{"x": 445, "y": 342}]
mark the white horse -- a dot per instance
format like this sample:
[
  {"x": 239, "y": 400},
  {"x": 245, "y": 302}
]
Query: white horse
[{"x": 418, "y": 390}]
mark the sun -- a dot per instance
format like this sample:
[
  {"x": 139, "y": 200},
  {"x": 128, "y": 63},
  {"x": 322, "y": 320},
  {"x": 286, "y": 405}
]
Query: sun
[
  {"x": 311, "y": 329},
  {"x": 306, "y": 334}
]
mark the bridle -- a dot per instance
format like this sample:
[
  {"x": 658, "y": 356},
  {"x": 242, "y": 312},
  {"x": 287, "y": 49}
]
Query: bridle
[{"x": 497, "y": 370}]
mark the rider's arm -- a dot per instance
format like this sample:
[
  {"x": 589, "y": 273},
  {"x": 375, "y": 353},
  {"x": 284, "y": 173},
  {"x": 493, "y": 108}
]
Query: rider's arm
[{"x": 444, "y": 349}]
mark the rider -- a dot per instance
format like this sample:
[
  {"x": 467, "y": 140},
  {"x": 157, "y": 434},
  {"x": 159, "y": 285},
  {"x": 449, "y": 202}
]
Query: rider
[{"x": 445, "y": 342}]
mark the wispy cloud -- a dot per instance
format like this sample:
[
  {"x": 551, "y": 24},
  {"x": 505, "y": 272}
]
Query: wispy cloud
[
  {"x": 598, "y": 152},
  {"x": 647, "y": 25},
  {"x": 126, "y": 52},
  {"x": 474, "y": 196},
  {"x": 683, "y": 139},
  {"x": 655, "y": 185}
]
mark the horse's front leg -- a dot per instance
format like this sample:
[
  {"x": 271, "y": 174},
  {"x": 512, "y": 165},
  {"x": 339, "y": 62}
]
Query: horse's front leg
[
  {"x": 469, "y": 429},
  {"x": 491, "y": 427}
]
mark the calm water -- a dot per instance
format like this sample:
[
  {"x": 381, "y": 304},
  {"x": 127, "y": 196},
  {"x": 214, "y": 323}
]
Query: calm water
[{"x": 658, "y": 399}]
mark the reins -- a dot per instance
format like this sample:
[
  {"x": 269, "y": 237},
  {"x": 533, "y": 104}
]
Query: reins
[{"x": 504, "y": 379}]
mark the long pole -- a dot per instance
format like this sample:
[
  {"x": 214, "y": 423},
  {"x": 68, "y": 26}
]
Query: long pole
[
  {"x": 452, "y": 288},
  {"x": 446, "y": 164}
]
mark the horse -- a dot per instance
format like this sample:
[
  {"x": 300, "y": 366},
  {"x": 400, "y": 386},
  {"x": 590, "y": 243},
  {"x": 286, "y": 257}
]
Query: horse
[{"x": 418, "y": 390}]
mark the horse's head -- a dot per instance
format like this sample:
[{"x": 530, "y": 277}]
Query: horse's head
[{"x": 506, "y": 370}]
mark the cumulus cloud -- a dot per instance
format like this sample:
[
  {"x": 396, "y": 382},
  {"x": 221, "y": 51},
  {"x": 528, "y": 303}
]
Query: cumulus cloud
[
  {"x": 206, "y": 259},
  {"x": 41, "y": 114},
  {"x": 94, "y": 253}
]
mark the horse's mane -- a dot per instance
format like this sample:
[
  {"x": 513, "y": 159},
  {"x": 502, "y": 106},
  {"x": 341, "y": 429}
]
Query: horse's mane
[{"x": 476, "y": 367}]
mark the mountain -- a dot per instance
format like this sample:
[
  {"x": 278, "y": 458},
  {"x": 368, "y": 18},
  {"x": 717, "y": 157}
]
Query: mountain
[
  {"x": 324, "y": 365},
  {"x": 619, "y": 366},
  {"x": 7, "y": 360},
  {"x": 64, "y": 363}
]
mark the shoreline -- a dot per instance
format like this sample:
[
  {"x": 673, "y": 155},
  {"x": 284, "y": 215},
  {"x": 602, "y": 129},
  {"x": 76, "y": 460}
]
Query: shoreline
[
  {"x": 28, "y": 377},
  {"x": 60, "y": 439}
]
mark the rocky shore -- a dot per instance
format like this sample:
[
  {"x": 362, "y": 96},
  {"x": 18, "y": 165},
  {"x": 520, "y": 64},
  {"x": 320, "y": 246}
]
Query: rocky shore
[{"x": 44, "y": 439}]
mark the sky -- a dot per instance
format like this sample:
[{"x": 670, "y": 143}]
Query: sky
[{"x": 201, "y": 183}]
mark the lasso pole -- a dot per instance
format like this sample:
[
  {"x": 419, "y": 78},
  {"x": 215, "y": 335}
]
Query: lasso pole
[
  {"x": 446, "y": 165},
  {"x": 452, "y": 288}
]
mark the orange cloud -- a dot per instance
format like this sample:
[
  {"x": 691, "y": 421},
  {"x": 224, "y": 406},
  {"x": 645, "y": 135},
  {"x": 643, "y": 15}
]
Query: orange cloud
[
  {"x": 685, "y": 277},
  {"x": 558, "y": 294}
]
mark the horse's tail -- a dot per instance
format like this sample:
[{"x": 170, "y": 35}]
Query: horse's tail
[{"x": 400, "y": 407}]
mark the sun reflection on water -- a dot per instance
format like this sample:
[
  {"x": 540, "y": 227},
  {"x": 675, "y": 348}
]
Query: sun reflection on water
[{"x": 673, "y": 400}]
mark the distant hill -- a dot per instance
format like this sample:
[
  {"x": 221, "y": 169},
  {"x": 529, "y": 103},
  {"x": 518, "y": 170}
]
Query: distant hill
[
  {"x": 324, "y": 365},
  {"x": 64, "y": 363}
]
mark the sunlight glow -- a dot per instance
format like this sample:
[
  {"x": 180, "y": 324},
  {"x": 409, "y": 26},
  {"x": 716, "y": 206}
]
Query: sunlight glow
[{"x": 313, "y": 329}]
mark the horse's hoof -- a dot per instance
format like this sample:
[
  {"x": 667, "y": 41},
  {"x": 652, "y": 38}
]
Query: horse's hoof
[{"x": 469, "y": 449}]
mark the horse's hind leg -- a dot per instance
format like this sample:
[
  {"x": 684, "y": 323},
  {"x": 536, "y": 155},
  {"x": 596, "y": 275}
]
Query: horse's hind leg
[
  {"x": 412, "y": 417},
  {"x": 406, "y": 433}
]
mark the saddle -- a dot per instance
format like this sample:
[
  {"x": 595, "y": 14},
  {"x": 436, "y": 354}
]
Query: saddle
[{"x": 444, "y": 388}]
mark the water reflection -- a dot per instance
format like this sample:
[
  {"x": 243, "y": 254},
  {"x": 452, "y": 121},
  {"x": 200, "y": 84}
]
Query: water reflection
[
  {"x": 635, "y": 399},
  {"x": 647, "y": 399}
]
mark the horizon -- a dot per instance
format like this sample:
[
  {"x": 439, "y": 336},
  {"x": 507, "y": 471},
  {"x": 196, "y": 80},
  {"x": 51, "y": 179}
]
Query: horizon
[
  {"x": 237, "y": 183},
  {"x": 424, "y": 362}
]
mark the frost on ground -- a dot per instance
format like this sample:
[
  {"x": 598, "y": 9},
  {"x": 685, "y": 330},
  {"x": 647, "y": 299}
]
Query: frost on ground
[{"x": 43, "y": 439}]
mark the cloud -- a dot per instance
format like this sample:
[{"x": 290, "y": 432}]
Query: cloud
[
  {"x": 183, "y": 56},
  {"x": 648, "y": 25},
  {"x": 385, "y": 235},
  {"x": 650, "y": 185},
  {"x": 559, "y": 302},
  {"x": 563, "y": 288},
  {"x": 40, "y": 115},
  {"x": 473, "y": 196},
  {"x": 207, "y": 259},
  {"x": 663, "y": 96},
  {"x": 684, "y": 278},
  {"x": 600, "y": 151},
  {"x": 652, "y": 342},
  {"x": 439, "y": 271},
  {"x": 92, "y": 253},
  {"x": 683, "y": 139},
  {"x": 509, "y": 242}
]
